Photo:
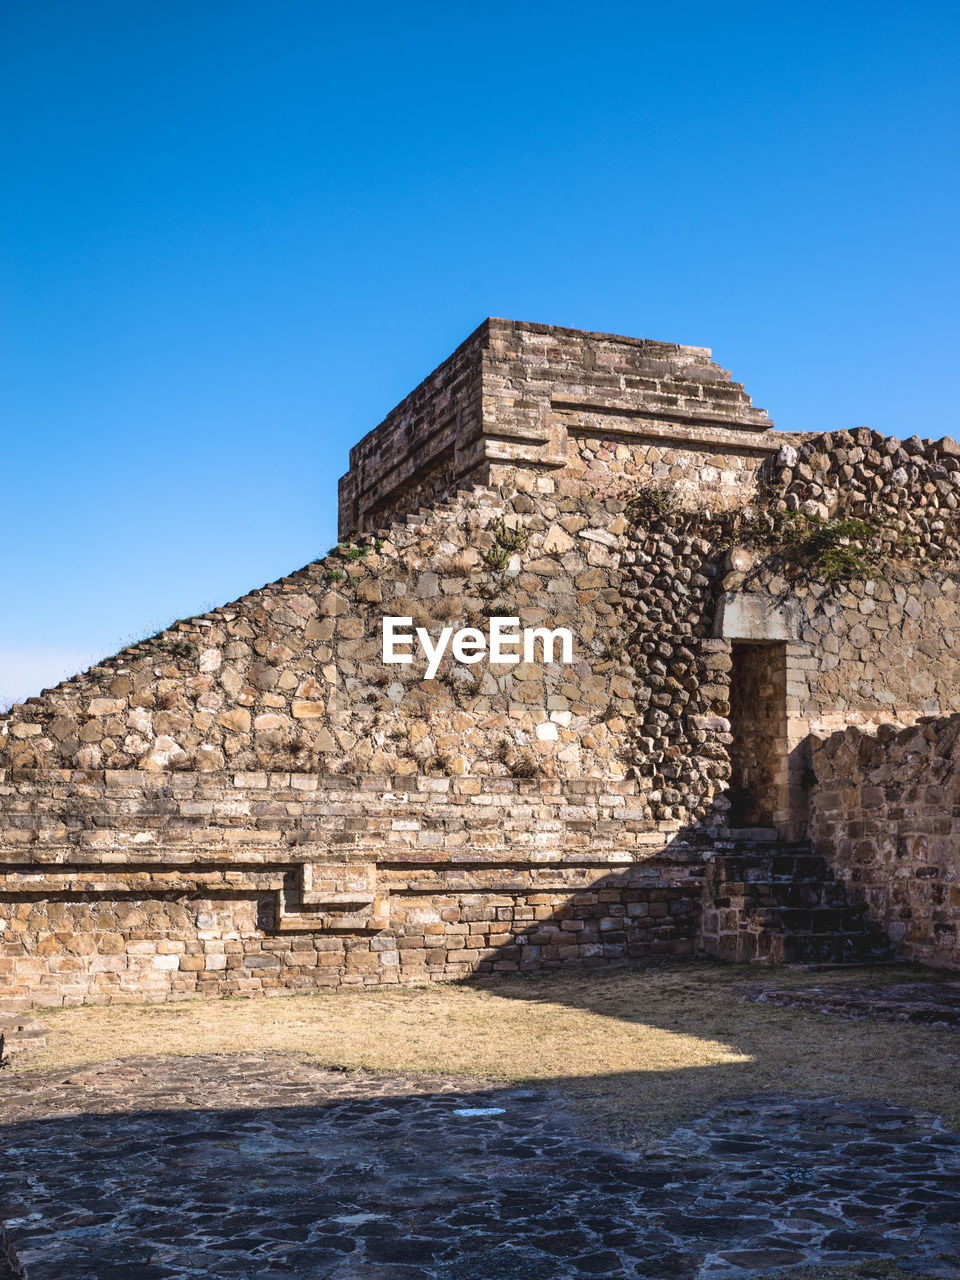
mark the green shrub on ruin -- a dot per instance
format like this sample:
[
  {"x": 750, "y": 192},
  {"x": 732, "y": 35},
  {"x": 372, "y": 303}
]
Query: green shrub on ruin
[
  {"x": 511, "y": 538},
  {"x": 496, "y": 558},
  {"x": 834, "y": 549}
]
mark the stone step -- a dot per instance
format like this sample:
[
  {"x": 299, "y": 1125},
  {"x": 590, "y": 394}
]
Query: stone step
[
  {"x": 796, "y": 921},
  {"x": 20, "y": 1032},
  {"x": 752, "y": 835},
  {"x": 781, "y": 893},
  {"x": 781, "y": 903},
  {"x": 831, "y": 948},
  {"x": 800, "y": 871}
]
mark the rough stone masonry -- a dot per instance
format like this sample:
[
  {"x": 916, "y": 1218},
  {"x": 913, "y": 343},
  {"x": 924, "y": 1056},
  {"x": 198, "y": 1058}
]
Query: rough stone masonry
[{"x": 752, "y": 751}]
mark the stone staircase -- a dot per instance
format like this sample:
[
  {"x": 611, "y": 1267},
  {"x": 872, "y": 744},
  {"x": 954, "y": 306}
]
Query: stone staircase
[{"x": 774, "y": 902}]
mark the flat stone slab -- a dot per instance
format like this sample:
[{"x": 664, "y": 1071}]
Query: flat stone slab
[
  {"x": 929, "y": 1004},
  {"x": 156, "y": 1168}
]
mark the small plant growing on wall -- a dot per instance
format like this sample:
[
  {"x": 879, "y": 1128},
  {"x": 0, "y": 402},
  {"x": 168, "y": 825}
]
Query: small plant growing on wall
[
  {"x": 841, "y": 548},
  {"x": 524, "y": 766},
  {"x": 179, "y": 648},
  {"x": 836, "y": 549},
  {"x": 459, "y": 566},
  {"x": 511, "y": 538},
  {"x": 496, "y": 558},
  {"x": 653, "y": 502},
  {"x": 351, "y": 551},
  {"x": 519, "y": 764},
  {"x": 508, "y": 540}
]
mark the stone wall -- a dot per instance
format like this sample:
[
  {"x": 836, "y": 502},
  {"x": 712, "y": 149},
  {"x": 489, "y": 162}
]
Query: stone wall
[
  {"x": 423, "y": 450},
  {"x": 596, "y": 406},
  {"x": 886, "y": 812},
  {"x": 292, "y": 675},
  {"x": 120, "y": 885},
  {"x": 861, "y": 471},
  {"x": 632, "y": 495},
  {"x": 723, "y": 477}
]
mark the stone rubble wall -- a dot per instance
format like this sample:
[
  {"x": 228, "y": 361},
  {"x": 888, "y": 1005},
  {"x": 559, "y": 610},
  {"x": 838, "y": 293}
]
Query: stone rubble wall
[
  {"x": 884, "y": 646},
  {"x": 292, "y": 675},
  {"x": 886, "y": 812},
  {"x": 863, "y": 472}
]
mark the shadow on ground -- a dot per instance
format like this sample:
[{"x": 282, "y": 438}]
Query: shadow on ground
[{"x": 353, "y": 1177}]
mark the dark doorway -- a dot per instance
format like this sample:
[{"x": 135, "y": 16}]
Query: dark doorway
[{"x": 758, "y": 721}]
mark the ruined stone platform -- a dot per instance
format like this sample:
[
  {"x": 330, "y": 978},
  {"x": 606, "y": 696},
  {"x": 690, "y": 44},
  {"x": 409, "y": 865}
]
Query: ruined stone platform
[
  {"x": 263, "y": 1166},
  {"x": 738, "y": 732},
  {"x": 929, "y": 1004}
]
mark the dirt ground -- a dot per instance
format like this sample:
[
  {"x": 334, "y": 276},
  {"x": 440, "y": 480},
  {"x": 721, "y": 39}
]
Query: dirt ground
[{"x": 635, "y": 1051}]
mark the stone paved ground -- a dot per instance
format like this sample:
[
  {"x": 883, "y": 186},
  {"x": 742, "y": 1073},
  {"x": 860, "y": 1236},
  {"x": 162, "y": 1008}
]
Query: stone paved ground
[
  {"x": 157, "y": 1168},
  {"x": 931, "y": 1004}
]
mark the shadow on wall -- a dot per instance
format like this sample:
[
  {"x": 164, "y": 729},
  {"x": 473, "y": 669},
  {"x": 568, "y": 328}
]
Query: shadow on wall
[
  {"x": 886, "y": 813},
  {"x": 279, "y": 925},
  {"x": 740, "y": 901}
]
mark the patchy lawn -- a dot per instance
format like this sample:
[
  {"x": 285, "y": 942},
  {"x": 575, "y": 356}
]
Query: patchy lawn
[{"x": 637, "y": 1050}]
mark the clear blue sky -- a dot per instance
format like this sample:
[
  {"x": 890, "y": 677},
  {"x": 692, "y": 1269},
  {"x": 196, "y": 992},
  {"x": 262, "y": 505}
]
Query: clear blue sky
[{"x": 235, "y": 232}]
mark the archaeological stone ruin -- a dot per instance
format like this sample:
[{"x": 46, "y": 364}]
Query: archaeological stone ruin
[{"x": 753, "y": 752}]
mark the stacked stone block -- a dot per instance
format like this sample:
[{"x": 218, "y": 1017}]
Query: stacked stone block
[
  {"x": 120, "y": 885},
  {"x": 886, "y": 813},
  {"x": 252, "y": 801},
  {"x": 544, "y": 399}
]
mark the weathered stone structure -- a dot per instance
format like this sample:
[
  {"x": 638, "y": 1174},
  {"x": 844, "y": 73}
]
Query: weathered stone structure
[{"x": 254, "y": 801}]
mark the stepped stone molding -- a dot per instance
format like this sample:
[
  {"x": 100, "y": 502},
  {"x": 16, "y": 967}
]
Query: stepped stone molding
[{"x": 121, "y": 885}]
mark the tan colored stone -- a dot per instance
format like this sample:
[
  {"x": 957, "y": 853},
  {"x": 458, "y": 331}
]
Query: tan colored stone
[
  {"x": 557, "y": 540},
  {"x": 306, "y": 710},
  {"x": 269, "y": 722},
  {"x": 237, "y": 720},
  {"x": 105, "y": 706},
  {"x": 331, "y": 606}
]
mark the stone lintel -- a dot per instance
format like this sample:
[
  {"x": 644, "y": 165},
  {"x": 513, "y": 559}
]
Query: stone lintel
[{"x": 757, "y": 617}]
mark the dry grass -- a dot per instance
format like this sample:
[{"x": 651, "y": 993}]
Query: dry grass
[{"x": 637, "y": 1050}]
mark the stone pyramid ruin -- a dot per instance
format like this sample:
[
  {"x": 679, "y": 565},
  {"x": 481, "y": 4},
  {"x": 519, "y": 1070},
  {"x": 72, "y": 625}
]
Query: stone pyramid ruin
[{"x": 751, "y": 752}]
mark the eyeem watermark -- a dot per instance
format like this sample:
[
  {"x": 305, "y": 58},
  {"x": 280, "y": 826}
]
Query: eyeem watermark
[{"x": 504, "y": 643}]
